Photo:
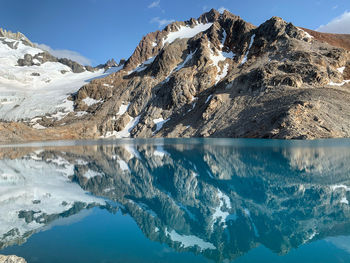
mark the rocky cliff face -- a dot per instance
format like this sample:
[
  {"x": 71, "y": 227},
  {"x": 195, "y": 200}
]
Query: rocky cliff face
[{"x": 216, "y": 76}]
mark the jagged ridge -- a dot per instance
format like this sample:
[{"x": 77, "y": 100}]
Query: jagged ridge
[{"x": 218, "y": 76}]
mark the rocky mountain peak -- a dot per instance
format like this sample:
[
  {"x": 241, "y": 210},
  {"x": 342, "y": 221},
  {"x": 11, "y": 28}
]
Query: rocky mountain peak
[
  {"x": 221, "y": 76},
  {"x": 152, "y": 43},
  {"x": 16, "y": 36}
]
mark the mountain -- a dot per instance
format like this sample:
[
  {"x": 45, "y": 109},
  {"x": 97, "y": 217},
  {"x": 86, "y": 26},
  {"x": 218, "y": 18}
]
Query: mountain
[
  {"x": 214, "y": 76},
  {"x": 214, "y": 199},
  {"x": 35, "y": 83}
]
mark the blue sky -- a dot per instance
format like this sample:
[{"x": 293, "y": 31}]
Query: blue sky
[{"x": 96, "y": 30}]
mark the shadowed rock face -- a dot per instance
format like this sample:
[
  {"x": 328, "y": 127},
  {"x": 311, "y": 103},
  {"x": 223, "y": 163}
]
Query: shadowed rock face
[
  {"x": 220, "y": 198},
  {"x": 214, "y": 76}
]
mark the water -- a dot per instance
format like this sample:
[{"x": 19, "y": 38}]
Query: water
[{"x": 184, "y": 200}]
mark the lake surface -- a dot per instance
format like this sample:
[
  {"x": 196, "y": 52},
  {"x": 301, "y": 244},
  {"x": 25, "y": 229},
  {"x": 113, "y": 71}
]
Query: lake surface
[{"x": 176, "y": 200}]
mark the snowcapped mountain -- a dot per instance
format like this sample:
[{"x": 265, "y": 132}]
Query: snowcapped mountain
[
  {"x": 214, "y": 76},
  {"x": 40, "y": 191},
  {"x": 201, "y": 198},
  {"x": 34, "y": 83}
]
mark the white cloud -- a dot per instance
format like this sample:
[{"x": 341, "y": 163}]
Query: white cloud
[
  {"x": 222, "y": 9},
  {"x": 161, "y": 22},
  {"x": 154, "y": 4},
  {"x": 339, "y": 25},
  {"x": 64, "y": 53}
]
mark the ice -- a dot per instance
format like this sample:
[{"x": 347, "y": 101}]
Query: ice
[
  {"x": 38, "y": 126},
  {"x": 125, "y": 133},
  {"x": 338, "y": 84},
  {"x": 131, "y": 149},
  {"x": 223, "y": 39},
  {"x": 340, "y": 186},
  {"x": 247, "y": 53},
  {"x": 23, "y": 181},
  {"x": 80, "y": 113},
  {"x": 35, "y": 61},
  {"x": 159, "y": 124},
  {"x": 186, "y": 32},
  {"x": 208, "y": 99},
  {"x": 223, "y": 73},
  {"x": 159, "y": 151},
  {"x": 90, "y": 101},
  {"x": 23, "y": 96},
  {"x": 188, "y": 58},
  {"x": 307, "y": 35},
  {"x": 189, "y": 241},
  {"x": 91, "y": 174},
  {"x": 143, "y": 66},
  {"x": 344, "y": 201},
  {"x": 219, "y": 214},
  {"x": 123, "y": 108},
  {"x": 216, "y": 58},
  {"x": 123, "y": 165},
  {"x": 247, "y": 213},
  {"x": 341, "y": 70}
]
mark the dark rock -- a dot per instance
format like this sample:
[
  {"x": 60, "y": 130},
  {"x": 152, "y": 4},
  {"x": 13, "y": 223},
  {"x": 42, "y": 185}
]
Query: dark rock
[
  {"x": 26, "y": 61},
  {"x": 76, "y": 67}
]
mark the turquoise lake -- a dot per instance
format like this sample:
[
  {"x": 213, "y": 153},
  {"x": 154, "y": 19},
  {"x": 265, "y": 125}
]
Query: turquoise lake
[{"x": 176, "y": 200}]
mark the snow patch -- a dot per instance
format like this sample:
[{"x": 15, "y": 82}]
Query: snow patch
[
  {"x": 189, "y": 241},
  {"x": 341, "y": 70},
  {"x": 123, "y": 165},
  {"x": 159, "y": 124},
  {"x": 134, "y": 153},
  {"x": 208, "y": 99},
  {"x": 186, "y": 32},
  {"x": 221, "y": 56},
  {"x": 219, "y": 214},
  {"x": 23, "y": 181},
  {"x": 306, "y": 34},
  {"x": 91, "y": 174},
  {"x": 142, "y": 66},
  {"x": 247, "y": 53},
  {"x": 159, "y": 151},
  {"x": 344, "y": 201},
  {"x": 188, "y": 58},
  {"x": 90, "y": 101},
  {"x": 123, "y": 108},
  {"x": 338, "y": 84},
  {"x": 80, "y": 113},
  {"x": 38, "y": 126},
  {"x": 125, "y": 133}
]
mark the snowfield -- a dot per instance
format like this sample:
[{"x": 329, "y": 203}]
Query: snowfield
[
  {"x": 30, "y": 91},
  {"x": 186, "y": 32},
  {"x": 32, "y": 184}
]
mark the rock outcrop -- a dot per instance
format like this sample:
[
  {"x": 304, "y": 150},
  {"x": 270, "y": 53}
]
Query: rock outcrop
[
  {"x": 218, "y": 76},
  {"x": 11, "y": 259}
]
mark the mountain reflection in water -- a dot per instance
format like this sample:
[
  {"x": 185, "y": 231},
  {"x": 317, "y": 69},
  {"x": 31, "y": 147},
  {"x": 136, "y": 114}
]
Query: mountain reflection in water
[{"x": 218, "y": 198}]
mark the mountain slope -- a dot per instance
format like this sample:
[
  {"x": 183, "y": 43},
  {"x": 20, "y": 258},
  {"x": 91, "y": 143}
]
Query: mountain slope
[
  {"x": 215, "y": 76},
  {"x": 33, "y": 82}
]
